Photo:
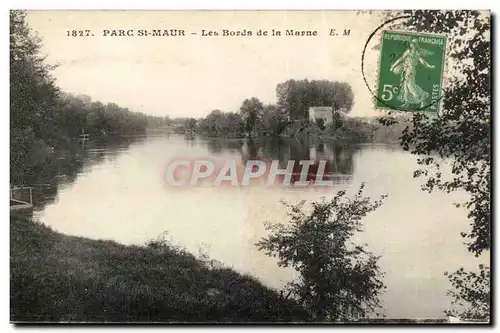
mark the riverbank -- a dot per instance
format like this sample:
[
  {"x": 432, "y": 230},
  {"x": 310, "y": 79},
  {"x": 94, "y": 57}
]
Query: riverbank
[
  {"x": 55, "y": 277},
  {"x": 360, "y": 133}
]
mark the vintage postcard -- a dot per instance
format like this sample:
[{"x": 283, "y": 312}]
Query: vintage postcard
[{"x": 250, "y": 166}]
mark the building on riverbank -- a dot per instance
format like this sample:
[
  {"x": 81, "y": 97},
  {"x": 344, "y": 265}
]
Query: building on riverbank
[{"x": 323, "y": 112}]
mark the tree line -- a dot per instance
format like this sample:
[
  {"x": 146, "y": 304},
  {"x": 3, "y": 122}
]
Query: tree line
[
  {"x": 294, "y": 97},
  {"x": 289, "y": 117},
  {"x": 42, "y": 117}
]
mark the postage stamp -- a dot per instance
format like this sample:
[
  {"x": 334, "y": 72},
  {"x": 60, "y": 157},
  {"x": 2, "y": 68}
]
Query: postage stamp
[{"x": 411, "y": 71}]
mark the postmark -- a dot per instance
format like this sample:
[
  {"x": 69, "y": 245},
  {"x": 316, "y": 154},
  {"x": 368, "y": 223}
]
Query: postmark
[{"x": 411, "y": 71}]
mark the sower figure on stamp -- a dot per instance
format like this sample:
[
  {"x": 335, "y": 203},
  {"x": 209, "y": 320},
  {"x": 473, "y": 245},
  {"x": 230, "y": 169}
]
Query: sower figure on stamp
[{"x": 406, "y": 66}]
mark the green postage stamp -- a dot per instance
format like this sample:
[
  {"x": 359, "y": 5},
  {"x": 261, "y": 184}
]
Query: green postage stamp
[{"x": 411, "y": 71}]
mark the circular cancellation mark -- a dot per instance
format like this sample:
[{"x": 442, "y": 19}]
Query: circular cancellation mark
[{"x": 411, "y": 67}]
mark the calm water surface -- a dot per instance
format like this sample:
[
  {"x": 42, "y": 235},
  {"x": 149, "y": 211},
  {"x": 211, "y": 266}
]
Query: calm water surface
[{"x": 118, "y": 193}]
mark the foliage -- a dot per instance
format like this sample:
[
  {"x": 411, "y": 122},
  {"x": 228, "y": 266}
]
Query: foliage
[
  {"x": 339, "y": 280},
  {"x": 461, "y": 132},
  {"x": 302, "y": 129},
  {"x": 42, "y": 117},
  {"x": 296, "y": 96},
  {"x": 460, "y": 135},
  {"x": 33, "y": 95},
  {"x": 344, "y": 129},
  {"x": 251, "y": 111},
  {"x": 95, "y": 118},
  {"x": 158, "y": 122},
  {"x": 321, "y": 124},
  {"x": 351, "y": 130},
  {"x": 289, "y": 117},
  {"x": 220, "y": 124},
  {"x": 253, "y": 119},
  {"x": 471, "y": 293},
  {"x": 190, "y": 125},
  {"x": 274, "y": 120},
  {"x": 390, "y": 129},
  {"x": 343, "y": 97}
]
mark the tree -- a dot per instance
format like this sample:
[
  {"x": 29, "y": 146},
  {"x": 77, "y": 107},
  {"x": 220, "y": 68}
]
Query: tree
[
  {"x": 41, "y": 115},
  {"x": 235, "y": 123},
  {"x": 274, "y": 120},
  {"x": 251, "y": 112},
  {"x": 292, "y": 97},
  {"x": 343, "y": 97},
  {"x": 220, "y": 124},
  {"x": 190, "y": 125},
  {"x": 471, "y": 293},
  {"x": 338, "y": 121},
  {"x": 208, "y": 124},
  {"x": 338, "y": 279},
  {"x": 296, "y": 96},
  {"x": 461, "y": 133},
  {"x": 321, "y": 123},
  {"x": 33, "y": 95}
]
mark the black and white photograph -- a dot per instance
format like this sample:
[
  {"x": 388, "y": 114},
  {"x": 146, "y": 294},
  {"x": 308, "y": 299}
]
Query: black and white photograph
[{"x": 250, "y": 166}]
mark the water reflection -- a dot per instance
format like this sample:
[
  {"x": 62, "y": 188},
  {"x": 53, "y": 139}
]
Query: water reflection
[
  {"x": 416, "y": 233},
  {"x": 63, "y": 167},
  {"x": 338, "y": 157},
  {"x": 218, "y": 146},
  {"x": 190, "y": 139}
]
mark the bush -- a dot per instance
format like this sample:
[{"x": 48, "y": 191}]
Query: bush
[{"x": 339, "y": 280}]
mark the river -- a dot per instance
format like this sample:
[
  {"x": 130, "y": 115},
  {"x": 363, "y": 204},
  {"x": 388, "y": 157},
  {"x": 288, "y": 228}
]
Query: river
[{"x": 118, "y": 193}]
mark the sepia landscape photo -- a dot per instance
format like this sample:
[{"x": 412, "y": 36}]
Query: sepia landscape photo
[{"x": 250, "y": 166}]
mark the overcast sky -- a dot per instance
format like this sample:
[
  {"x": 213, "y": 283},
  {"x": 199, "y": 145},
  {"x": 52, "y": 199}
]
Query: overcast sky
[{"x": 192, "y": 75}]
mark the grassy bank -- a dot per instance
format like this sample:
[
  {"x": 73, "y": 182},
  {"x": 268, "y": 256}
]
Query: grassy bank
[{"x": 55, "y": 277}]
